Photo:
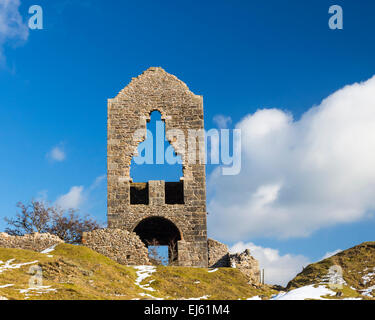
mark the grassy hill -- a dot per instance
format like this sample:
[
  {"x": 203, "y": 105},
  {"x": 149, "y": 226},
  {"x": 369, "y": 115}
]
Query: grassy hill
[
  {"x": 76, "y": 272},
  {"x": 358, "y": 272}
]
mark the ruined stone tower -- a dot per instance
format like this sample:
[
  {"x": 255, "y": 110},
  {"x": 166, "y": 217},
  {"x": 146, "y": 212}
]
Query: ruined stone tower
[{"x": 173, "y": 213}]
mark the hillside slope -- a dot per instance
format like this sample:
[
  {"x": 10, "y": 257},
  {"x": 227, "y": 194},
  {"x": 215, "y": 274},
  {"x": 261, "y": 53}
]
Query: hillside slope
[
  {"x": 358, "y": 273},
  {"x": 76, "y": 272}
]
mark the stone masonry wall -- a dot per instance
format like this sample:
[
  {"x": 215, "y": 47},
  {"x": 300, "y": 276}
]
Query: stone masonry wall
[
  {"x": 181, "y": 110},
  {"x": 35, "y": 242},
  {"x": 119, "y": 245},
  {"x": 247, "y": 264},
  {"x": 218, "y": 254}
]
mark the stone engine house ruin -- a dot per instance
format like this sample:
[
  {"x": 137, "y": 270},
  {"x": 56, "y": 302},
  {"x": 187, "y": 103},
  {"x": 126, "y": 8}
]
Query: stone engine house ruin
[{"x": 172, "y": 213}]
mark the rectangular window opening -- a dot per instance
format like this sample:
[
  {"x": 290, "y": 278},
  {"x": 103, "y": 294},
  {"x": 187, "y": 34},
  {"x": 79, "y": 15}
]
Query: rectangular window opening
[
  {"x": 174, "y": 192},
  {"x": 139, "y": 193}
]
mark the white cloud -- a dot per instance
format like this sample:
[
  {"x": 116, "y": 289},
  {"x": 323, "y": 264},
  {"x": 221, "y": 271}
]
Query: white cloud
[
  {"x": 331, "y": 253},
  {"x": 97, "y": 182},
  {"x": 78, "y": 195},
  {"x": 73, "y": 199},
  {"x": 222, "y": 121},
  {"x": 278, "y": 269},
  {"x": 300, "y": 176},
  {"x": 57, "y": 154},
  {"x": 12, "y": 27}
]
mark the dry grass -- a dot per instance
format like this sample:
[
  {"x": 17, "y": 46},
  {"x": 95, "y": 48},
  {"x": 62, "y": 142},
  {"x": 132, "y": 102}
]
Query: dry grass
[
  {"x": 77, "y": 272},
  {"x": 355, "y": 262}
]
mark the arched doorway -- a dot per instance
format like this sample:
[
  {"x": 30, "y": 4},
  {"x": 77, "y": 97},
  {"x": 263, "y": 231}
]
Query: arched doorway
[{"x": 159, "y": 231}]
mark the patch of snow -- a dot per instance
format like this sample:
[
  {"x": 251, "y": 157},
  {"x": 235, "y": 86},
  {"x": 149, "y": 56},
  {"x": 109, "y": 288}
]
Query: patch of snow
[
  {"x": 254, "y": 298},
  {"x": 368, "y": 277},
  {"x": 50, "y": 249},
  {"x": 39, "y": 290},
  {"x": 307, "y": 292},
  {"x": 3, "y": 298},
  {"x": 144, "y": 272},
  {"x": 197, "y": 282},
  {"x": 8, "y": 265},
  {"x": 6, "y": 286},
  {"x": 214, "y": 270},
  {"x": 367, "y": 292},
  {"x": 150, "y": 296}
]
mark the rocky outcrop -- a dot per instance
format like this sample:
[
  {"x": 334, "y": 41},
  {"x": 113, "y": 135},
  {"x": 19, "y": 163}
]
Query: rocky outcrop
[
  {"x": 247, "y": 264},
  {"x": 119, "y": 245},
  {"x": 35, "y": 241}
]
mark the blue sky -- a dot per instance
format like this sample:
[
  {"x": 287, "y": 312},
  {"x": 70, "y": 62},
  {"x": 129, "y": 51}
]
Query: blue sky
[{"x": 240, "y": 55}]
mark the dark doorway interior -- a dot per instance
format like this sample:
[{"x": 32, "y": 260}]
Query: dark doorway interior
[{"x": 158, "y": 231}]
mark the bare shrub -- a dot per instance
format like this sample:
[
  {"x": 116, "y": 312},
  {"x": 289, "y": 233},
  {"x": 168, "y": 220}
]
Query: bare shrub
[
  {"x": 153, "y": 254},
  {"x": 39, "y": 216}
]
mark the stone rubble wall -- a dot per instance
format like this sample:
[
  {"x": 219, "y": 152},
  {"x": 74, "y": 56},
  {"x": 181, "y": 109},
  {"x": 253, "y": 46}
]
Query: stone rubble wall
[
  {"x": 247, "y": 264},
  {"x": 218, "y": 254},
  {"x": 119, "y": 245},
  {"x": 219, "y": 257},
  {"x": 35, "y": 241}
]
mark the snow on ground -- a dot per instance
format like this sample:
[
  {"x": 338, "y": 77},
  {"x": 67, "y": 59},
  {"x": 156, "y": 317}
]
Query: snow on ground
[
  {"x": 254, "y": 298},
  {"x": 38, "y": 290},
  {"x": 367, "y": 292},
  {"x": 214, "y": 270},
  {"x": 368, "y": 277},
  {"x": 8, "y": 265},
  {"x": 49, "y": 250},
  {"x": 307, "y": 292},
  {"x": 3, "y": 298},
  {"x": 144, "y": 272}
]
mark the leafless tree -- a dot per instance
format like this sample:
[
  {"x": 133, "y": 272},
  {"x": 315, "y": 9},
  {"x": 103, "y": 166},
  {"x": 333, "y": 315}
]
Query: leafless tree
[
  {"x": 70, "y": 226},
  {"x": 34, "y": 217},
  {"x": 153, "y": 254},
  {"x": 39, "y": 216},
  {"x": 172, "y": 250}
]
